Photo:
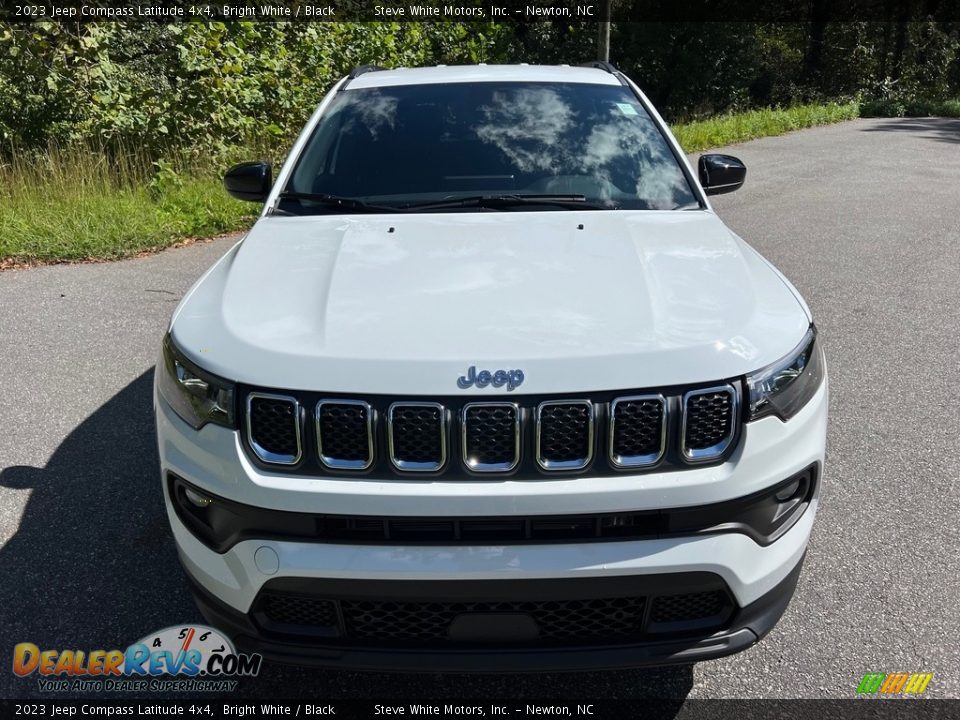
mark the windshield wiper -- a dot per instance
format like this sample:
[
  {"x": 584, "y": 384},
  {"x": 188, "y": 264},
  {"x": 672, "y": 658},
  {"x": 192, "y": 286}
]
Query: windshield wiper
[
  {"x": 337, "y": 201},
  {"x": 569, "y": 202}
]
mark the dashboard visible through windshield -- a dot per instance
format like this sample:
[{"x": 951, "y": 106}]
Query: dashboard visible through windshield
[{"x": 486, "y": 146}]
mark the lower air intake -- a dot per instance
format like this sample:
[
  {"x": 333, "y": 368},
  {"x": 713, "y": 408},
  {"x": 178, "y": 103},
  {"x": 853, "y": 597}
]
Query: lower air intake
[{"x": 556, "y": 619}]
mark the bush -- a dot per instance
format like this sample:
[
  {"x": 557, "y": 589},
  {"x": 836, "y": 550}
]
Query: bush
[
  {"x": 206, "y": 87},
  {"x": 918, "y": 107}
]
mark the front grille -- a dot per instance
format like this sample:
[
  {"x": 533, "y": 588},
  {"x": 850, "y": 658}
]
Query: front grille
[
  {"x": 491, "y": 436},
  {"x": 666, "y": 430},
  {"x": 417, "y": 436},
  {"x": 398, "y": 621},
  {"x": 708, "y": 424},
  {"x": 273, "y": 427},
  {"x": 345, "y": 434},
  {"x": 564, "y": 434}
]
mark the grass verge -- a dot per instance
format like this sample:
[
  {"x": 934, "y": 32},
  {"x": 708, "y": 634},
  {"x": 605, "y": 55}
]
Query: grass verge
[
  {"x": 75, "y": 205},
  {"x": 738, "y": 127}
]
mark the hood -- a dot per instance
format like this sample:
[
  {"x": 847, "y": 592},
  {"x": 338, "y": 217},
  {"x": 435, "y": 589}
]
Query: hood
[{"x": 405, "y": 304}]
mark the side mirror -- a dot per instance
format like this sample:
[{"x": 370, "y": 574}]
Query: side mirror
[
  {"x": 249, "y": 181},
  {"x": 721, "y": 173}
]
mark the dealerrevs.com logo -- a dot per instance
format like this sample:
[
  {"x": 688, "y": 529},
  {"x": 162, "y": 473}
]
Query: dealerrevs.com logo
[{"x": 180, "y": 658}]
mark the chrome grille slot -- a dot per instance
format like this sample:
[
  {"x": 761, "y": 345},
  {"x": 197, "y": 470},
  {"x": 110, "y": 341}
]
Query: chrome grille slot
[
  {"x": 564, "y": 434},
  {"x": 491, "y": 436},
  {"x": 345, "y": 434},
  {"x": 273, "y": 428},
  {"x": 417, "y": 436},
  {"x": 709, "y": 422},
  {"x": 637, "y": 430}
]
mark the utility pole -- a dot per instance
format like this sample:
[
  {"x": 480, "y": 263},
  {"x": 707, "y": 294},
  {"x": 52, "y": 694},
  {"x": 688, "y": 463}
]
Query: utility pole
[{"x": 603, "y": 32}]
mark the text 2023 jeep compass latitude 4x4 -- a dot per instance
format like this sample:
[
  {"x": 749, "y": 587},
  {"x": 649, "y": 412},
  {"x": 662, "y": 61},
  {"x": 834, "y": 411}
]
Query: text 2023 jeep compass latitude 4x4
[{"x": 489, "y": 386}]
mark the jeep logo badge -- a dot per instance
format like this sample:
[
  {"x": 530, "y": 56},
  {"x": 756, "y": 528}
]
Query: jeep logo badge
[{"x": 498, "y": 378}]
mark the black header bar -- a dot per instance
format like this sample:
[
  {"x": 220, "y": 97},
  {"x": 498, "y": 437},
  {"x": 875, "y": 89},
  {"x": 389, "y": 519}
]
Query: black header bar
[{"x": 166, "y": 11}]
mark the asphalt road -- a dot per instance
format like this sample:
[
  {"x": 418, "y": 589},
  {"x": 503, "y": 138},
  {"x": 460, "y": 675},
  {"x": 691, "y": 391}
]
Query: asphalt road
[{"x": 863, "y": 217}]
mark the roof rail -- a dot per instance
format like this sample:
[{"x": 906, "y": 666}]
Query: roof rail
[
  {"x": 360, "y": 70},
  {"x": 601, "y": 65}
]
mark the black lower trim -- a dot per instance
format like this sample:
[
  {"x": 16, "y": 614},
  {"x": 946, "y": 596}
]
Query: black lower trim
[
  {"x": 742, "y": 628},
  {"x": 762, "y": 516}
]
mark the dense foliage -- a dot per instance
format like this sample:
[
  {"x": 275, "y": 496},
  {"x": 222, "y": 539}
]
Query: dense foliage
[
  {"x": 198, "y": 85},
  {"x": 214, "y": 86},
  {"x": 113, "y": 136}
]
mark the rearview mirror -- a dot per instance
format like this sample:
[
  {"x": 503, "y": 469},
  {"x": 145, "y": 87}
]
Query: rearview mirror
[
  {"x": 249, "y": 181},
  {"x": 721, "y": 173}
]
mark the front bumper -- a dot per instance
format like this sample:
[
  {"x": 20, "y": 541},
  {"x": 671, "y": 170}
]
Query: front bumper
[
  {"x": 757, "y": 579},
  {"x": 677, "y": 643}
]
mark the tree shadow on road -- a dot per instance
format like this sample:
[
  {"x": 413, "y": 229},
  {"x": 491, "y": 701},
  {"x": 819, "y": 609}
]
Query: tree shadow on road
[
  {"x": 93, "y": 566},
  {"x": 936, "y": 128}
]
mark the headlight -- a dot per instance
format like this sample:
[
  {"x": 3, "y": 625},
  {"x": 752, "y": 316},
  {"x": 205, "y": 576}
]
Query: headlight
[
  {"x": 194, "y": 395},
  {"x": 787, "y": 385}
]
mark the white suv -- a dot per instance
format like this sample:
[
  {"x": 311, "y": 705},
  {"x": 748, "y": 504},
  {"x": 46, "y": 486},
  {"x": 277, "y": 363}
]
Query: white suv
[{"x": 489, "y": 386}]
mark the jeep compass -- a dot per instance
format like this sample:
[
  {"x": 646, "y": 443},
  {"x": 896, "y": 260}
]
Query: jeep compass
[{"x": 489, "y": 386}]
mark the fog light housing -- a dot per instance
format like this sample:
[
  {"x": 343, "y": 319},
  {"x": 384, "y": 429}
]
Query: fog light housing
[
  {"x": 763, "y": 516},
  {"x": 788, "y": 491},
  {"x": 196, "y": 499}
]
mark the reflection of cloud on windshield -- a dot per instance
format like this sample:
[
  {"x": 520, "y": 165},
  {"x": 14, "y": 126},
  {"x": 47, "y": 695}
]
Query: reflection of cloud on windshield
[
  {"x": 526, "y": 126},
  {"x": 533, "y": 128},
  {"x": 603, "y": 145},
  {"x": 535, "y": 138},
  {"x": 374, "y": 111},
  {"x": 659, "y": 180}
]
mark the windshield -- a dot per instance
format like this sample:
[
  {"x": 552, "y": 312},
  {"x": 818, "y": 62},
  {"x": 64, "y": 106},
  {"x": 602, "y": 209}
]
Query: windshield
[{"x": 399, "y": 147}]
